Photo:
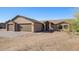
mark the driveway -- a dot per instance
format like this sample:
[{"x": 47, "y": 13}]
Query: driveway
[{"x": 10, "y": 34}]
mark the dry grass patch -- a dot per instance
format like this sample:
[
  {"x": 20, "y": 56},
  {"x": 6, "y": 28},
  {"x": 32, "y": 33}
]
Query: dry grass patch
[{"x": 57, "y": 41}]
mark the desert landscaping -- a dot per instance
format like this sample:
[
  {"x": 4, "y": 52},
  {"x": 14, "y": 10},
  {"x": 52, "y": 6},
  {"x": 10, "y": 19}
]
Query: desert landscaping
[
  {"x": 21, "y": 32},
  {"x": 27, "y": 41}
]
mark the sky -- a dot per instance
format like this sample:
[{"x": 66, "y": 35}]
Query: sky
[{"x": 38, "y": 13}]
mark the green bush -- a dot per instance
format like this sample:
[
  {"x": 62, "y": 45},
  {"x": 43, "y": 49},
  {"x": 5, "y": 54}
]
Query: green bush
[{"x": 77, "y": 30}]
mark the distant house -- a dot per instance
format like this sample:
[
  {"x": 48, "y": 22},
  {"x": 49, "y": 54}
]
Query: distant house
[
  {"x": 56, "y": 25},
  {"x": 2, "y": 25},
  {"x": 21, "y": 23}
]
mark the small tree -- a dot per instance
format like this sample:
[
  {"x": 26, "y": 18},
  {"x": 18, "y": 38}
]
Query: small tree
[{"x": 75, "y": 23}]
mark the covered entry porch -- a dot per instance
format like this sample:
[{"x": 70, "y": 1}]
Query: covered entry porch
[{"x": 62, "y": 26}]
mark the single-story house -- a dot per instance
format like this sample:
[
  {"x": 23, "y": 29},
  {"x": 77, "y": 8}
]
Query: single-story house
[
  {"x": 21, "y": 23},
  {"x": 2, "y": 25},
  {"x": 56, "y": 25}
]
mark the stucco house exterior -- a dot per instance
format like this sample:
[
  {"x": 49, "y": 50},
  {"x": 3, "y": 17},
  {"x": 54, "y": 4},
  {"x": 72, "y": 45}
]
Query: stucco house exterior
[
  {"x": 21, "y": 23},
  {"x": 56, "y": 25}
]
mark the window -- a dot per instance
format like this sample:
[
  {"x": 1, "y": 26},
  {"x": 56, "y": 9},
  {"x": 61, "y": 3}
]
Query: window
[{"x": 65, "y": 26}]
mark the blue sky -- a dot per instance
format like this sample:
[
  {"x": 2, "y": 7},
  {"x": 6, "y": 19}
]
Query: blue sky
[{"x": 38, "y": 13}]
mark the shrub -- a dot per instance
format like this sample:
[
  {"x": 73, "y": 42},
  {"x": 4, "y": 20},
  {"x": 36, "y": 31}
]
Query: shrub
[{"x": 77, "y": 30}]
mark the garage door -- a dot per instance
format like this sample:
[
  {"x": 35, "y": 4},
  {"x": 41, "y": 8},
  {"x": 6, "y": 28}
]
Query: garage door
[
  {"x": 26, "y": 27},
  {"x": 11, "y": 27}
]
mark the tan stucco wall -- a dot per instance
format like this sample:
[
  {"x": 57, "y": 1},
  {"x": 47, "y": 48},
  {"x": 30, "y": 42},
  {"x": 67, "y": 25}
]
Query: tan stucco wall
[
  {"x": 8, "y": 26},
  {"x": 35, "y": 26},
  {"x": 64, "y": 28},
  {"x": 10, "y": 22},
  {"x": 22, "y": 20},
  {"x": 38, "y": 27}
]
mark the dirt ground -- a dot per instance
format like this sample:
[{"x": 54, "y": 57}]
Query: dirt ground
[{"x": 56, "y": 41}]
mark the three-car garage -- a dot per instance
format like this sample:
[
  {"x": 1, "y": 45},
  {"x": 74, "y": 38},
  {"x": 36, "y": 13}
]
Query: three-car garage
[{"x": 21, "y": 23}]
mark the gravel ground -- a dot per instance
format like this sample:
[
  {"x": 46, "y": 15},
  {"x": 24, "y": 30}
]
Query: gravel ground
[{"x": 23, "y": 41}]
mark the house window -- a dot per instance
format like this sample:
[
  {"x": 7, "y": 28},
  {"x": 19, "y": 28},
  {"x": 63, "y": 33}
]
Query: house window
[{"x": 65, "y": 26}]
